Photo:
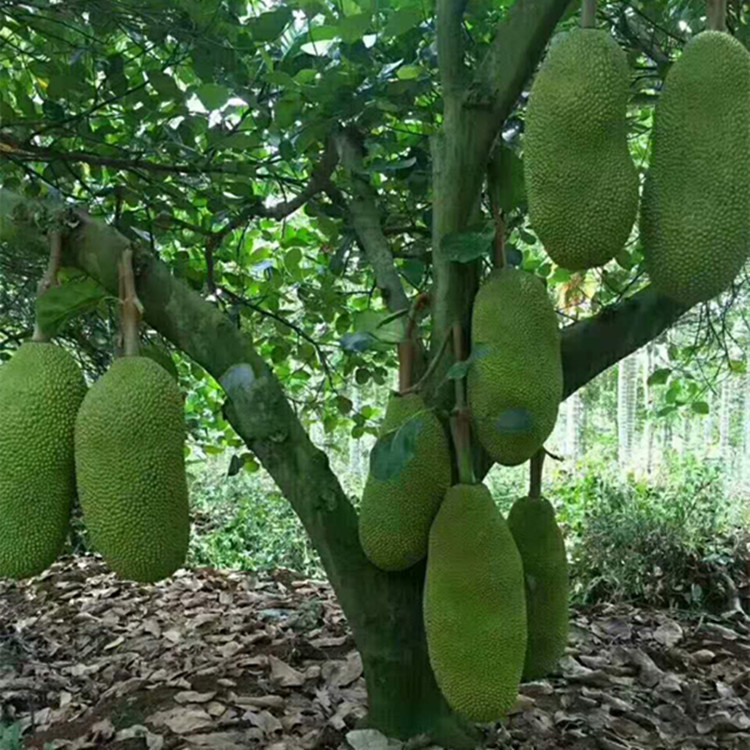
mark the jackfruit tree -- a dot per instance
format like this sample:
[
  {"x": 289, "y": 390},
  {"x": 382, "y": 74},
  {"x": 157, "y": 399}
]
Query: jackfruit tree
[{"x": 291, "y": 182}]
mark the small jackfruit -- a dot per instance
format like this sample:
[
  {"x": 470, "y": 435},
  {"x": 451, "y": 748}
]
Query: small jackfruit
[
  {"x": 581, "y": 182},
  {"x": 695, "y": 213},
  {"x": 41, "y": 389},
  {"x": 545, "y": 567},
  {"x": 130, "y": 464},
  {"x": 474, "y": 605},
  {"x": 395, "y": 515},
  {"x": 515, "y": 385}
]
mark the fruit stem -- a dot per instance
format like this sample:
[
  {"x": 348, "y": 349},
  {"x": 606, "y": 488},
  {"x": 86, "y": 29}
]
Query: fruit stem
[
  {"x": 130, "y": 305},
  {"x": 50, "y": 278},
  {"x": 431, "y": 368},
  {"x": 716, "y": 15},
  {"x": 461, "y": 418},
  {"x": 407, "y": 349},
  {"x": 588, "y": 14},
  {"x": 499, "y": 255},
  {"x": 535, "y": 473}
]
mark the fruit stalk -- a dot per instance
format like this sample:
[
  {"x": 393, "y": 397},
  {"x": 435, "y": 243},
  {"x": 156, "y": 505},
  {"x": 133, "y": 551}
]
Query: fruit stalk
[
  {"x": 716, "y": 15},
  {"x": 535, "y": 473},
  {"x": 50, "y": 277},
  {"x": 407, "y": 349},
  {"x": 460, "y": 419},
  {"x": 588, "y": 14},
  {"x": 130, "y": 305}
]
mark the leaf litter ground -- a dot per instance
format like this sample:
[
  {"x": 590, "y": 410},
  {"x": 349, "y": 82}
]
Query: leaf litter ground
[{"x": 228, "y": 660}]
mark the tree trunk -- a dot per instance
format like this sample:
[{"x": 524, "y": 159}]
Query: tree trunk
[
  {"x": 746, "y": 431},
  {"x": 626, "y": 396},
  {"x": 725, "y": 421}
]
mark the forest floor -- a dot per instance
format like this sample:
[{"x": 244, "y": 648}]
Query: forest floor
[{"x": 228, "y": 660}]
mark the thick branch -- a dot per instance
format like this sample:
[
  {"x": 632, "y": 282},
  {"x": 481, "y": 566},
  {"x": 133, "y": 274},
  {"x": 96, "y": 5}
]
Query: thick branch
[
  {"x": 593, "y": 345},
  {"x": 365, "y": 216}
]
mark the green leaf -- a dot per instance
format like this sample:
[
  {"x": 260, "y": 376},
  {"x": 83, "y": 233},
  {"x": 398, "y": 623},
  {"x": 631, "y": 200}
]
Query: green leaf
[
  {"x": 267, "y": 27},
  {"x": 700, "y": 407},
  {"x": 393, "y": 451},
  {"x": 344, "y": 404},
  {"x": 505, "y": 179},
  {"x": 164, "y": 84},
  {"x": 469, "y": 244},
  {"x": 409, "y": 72},
  {"x": 353, "y": 28},
  {"x": 660, "y": 376},
  {"x": 62, "y": 303},
  {"x": 212, "y": 95},
  {"x": 460, "y": 369},
  {"x": 403, "y": 20}
]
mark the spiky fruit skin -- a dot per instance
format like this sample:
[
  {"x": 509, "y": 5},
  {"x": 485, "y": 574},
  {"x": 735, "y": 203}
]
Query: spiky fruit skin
[
  {"x": 581, "y": 182},
  {"x": 514, "y": 318},
  {"x": 545, "y": 568},
  {"x": 41, "y": 389},
  {"x": 695, "y": 213},
  {"x": 474, "y": 605},
  {"x": 162, "y": 357},
  {"x": 129, "y": 438},
  {"x": 395, "y": 516}
]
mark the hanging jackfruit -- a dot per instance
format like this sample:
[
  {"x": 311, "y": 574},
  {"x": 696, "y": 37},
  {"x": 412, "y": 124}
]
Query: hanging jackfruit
[
  {"x": 545, "y": 567},
  {"x": 41, "y": 389},
  {"x": 695, "y": 214},
  {"x": 515, "y": 385},
  {"x": 395, "y": 514},
  {"x": 581, "y": 182},
  {"x": 474, "y": 605},
  {"x": 129, "y": 439}
]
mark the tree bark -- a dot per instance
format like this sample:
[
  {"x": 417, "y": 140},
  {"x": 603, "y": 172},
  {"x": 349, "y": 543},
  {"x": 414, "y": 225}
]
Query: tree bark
[{"x": 626, "y": 396}]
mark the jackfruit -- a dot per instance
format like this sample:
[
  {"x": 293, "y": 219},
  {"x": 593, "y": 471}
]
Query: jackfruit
[
  {"x": 395, "y": 515},
  {"x": 41, "y": 389},
  {"x": 515, "y": 385},
  {"x": 545, "y": 568},
  {"x": 474, "y": 605},
  {"x": 161, "y": 356},
  {"x": 129, "y": 440},
  {"x": 695, "y": 214},
  {"x": 581, "y": 182}
]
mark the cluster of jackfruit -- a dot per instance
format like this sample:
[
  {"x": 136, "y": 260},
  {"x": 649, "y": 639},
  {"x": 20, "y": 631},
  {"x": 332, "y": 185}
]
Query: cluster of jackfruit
[
  {"x": 119, "y": 446},
  {"x": 582, "y": 185},
  {"x": 395, "y": 514}
]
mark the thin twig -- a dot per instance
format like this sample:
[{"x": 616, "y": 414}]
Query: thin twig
[{"x": 432, "y": 366}]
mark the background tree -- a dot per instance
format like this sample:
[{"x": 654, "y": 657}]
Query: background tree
[{"x": 289, "y": 176}]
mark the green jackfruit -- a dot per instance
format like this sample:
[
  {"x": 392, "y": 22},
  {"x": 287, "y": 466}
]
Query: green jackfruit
[
  {"x": 41, "y": 389},
  {"x": 515, "y": 387},
  {"x": 545, "y": 566},
  {"x": 581, "y": 182},
  {"x": 395, "y": 515},
  {"x": 695, "y": 214},
  {"x": 474, "y": 605},
  {"x": 161, "y": 356},
  {"x": 129, "y": 439}
]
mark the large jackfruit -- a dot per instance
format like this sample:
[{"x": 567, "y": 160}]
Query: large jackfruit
[
  {"x": 395, "y": 515},
  {"x": 515, "y": 388},
  {"x": 41, "y": 389},
  {"x": 545, "y": 567},
  {"x": 581, "y": 182},
  {"x": 130, "y": 437},
  {"x": 695, "y": 214},
  {"x": 474, "y": 605}
]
